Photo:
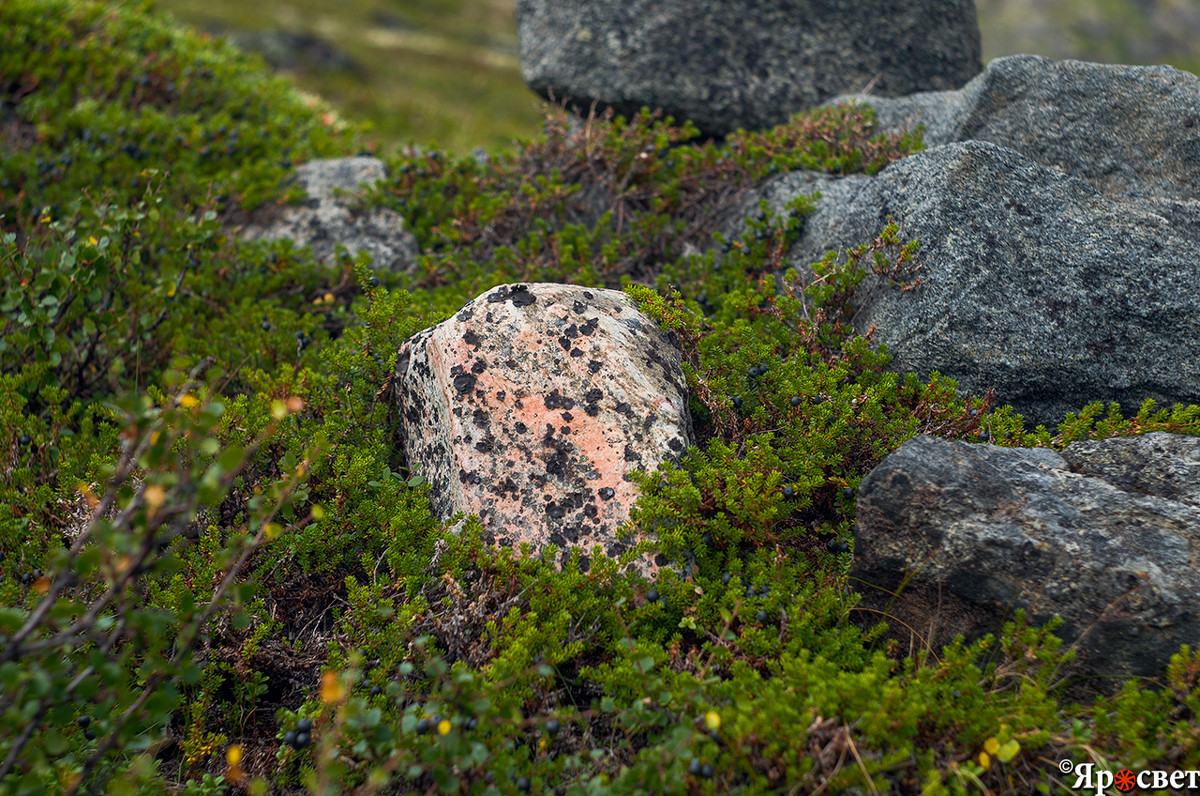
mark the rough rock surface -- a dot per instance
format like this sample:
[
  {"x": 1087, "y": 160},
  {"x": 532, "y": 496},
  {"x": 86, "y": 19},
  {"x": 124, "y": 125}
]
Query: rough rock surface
[
  {"x": 1032, "y": 282},
  {"x": 1105, "y": 535},
  {"x": 533, "y": 404},
  {"x": 1128, "y": 130},
  {"x": 726, "y": 64},
  {"x": 329, "y": 217}
]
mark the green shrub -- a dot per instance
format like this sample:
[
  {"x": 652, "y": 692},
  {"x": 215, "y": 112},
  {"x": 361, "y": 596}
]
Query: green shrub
[{"x": 235, "y": 575}]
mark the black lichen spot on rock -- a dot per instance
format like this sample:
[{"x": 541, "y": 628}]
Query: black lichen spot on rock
[
  {"x": 466, "y": 314},
  {"x": 556, "y": 511},
  {"x": 564, "y": 430},
  {"x": 565, "y": 342},
  {"x": 624, "y": 409},
  {"x": 479, "y": 418},
  {"x": 575, "y": 353},
  {"x": 661, "y": 559},
  {"x": 521, "y": 297},
  {"x": 521, "y": 427},
  {"x": 593, "y": 395},
  {"x": 594, "y": 366},
  {"x": 590, "y": 510},
  {"x": 484, "y": 446},
  {"x": 585, "y": 563},
  {"x": 501, "y": 395},
  {"x": 479, "y": 367},
  {"x": 511, "y": 364},
  {"x": 567, "y": 416},
  {"x": 470, "y": 338},
  {"x": 592, "y": 409},
  {"x": 552, "y": 400},
  {"x": 587, "y": 294},
  {"x": 464, "y": 382},
  {"x": 571, "y": 331},
  {"x": 675, "y": 444},
  {"x": 589, "y": 327},
  {"x": 631, "y": 455},
  {"x": 606, "y": 492},
  {"x": 578, "y": 306},
  {"x": 649, "y": 421}
]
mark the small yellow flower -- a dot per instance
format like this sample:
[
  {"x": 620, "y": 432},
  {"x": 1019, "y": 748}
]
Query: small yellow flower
[
  {"x": 991, "y": 746},
  {"x": 233, "y": 755},
  {"x": 712, "y": 720},
  {"x": 985, "y": 761},
  {"x": 443, "y": 727}
]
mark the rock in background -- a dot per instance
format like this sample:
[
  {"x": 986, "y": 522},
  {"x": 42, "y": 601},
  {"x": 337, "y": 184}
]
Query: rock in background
[
  {"x": 1060, "y": 235},
  {"x": 727, "y": 65},
  {"x": 1105, "y": 535},
  {"x": 532, "y": 406},
  {"x": 330, "y": 217}
]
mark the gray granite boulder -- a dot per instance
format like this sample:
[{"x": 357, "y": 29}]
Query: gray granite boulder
[
  {"x": 1130, "y": 131},
  {"x": 532, "y": 406},
  {"x": 332, "y": 216},
  {"x": 729, "y": 64},
  {"x": 1032, "y": 282},
  {"x": 951, "y": 537}
]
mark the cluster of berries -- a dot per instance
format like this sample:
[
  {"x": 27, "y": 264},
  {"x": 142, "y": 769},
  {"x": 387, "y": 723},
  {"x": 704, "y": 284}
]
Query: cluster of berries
[{"x": 300, "y": 737}]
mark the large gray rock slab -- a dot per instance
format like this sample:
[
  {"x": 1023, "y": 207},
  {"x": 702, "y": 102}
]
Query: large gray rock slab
[
  {"x": 1128, "y": 130},
  {"x": 729, "y": 64},
  {"x": 1105, "y": 535},
  {"x": 333, "y": 216},
  {"x": 532, "y": 406},
  {"x": 1033, "y": 282}
]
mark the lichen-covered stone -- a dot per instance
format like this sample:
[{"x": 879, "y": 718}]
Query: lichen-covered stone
[
  {"x": 951, "y": 537},
  {"x": 729, "y": 64},
  {"x": 330, "y": 217},
  {"x": 1032, "y": 283},
  {"x": 534, "y": 403},
  {"x": 1133, "y": 132}
]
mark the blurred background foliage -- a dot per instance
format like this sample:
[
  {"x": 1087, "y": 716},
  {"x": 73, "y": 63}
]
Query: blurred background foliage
[{"x": 447, "y": 73}]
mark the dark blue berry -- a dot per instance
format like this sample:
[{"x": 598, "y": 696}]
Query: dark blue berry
[
  {"x": 289, "y": 738},
  {"x": 424, "y": 726},
  {"x": 694, "y": 767},
  {"x": 726, "y": 578},
  {"x": 707, "y": 771},
  {"x": 737, "y": 402},
  {"x": 552, "y": 727},
  {"x": 266, "y": 326},
  {"x": 302, "y": 739},
  {"x": 761, "y": 616},
  {"x": 84, "y": 721},
  {"x": 652, "y": 596},
  {"x": 25, "y": 439},
  {"x": 376, "y": 690},
  {"x": 523, "y": 784},
  {"x": 789, "y": 491},
  {"x": 304, "y": 725},
  {"x": 374, "y": 281},
  {"x": 795, "y": 400}
]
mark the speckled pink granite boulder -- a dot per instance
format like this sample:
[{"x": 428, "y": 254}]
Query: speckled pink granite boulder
[{"x": 532, "y": 406}]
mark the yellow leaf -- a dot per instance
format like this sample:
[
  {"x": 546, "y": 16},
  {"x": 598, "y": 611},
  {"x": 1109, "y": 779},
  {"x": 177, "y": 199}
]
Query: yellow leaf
[
  {"x": 712, "y": 720},
  {"x": 233, "y": 755},
  {"x": 331, "y": 688},
  {"x": 188, "y": 401},
  {"x": 443, "y": 727},
  {"x": 991, "y": 746},
  {"x": 985, "y": 761},
  {"x": 154, "y": 496}
]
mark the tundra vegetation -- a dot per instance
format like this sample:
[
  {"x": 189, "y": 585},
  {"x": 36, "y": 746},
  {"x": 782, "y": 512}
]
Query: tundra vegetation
[{"x": 220, "y": 574}]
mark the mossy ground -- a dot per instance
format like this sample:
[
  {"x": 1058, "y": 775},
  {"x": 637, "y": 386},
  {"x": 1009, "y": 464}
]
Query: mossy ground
[{"x": 267, "y": 563}]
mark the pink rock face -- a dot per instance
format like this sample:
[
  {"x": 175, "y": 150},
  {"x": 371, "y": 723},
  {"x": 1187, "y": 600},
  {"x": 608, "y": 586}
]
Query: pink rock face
[{"x": 532, "y": 406}]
